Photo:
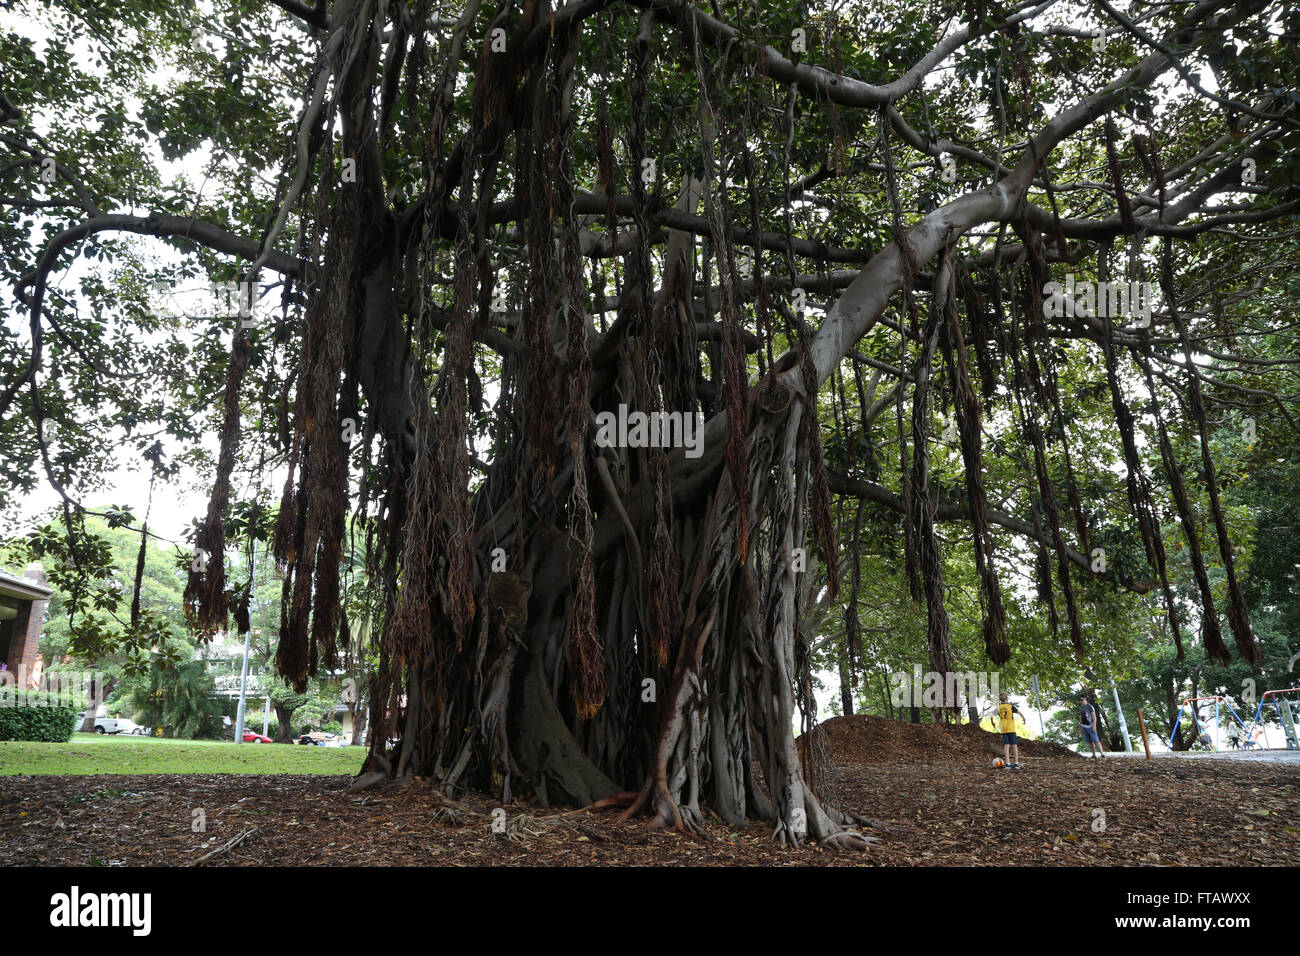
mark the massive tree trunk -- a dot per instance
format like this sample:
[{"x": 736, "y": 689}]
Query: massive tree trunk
[
  {"x": 360, "y": 716},
  {"x": 283, "y": 728},
  {"x": 846, "y": 687}
]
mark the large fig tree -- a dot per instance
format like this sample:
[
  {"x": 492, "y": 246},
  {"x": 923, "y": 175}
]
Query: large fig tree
[{"x": 548, "y": 309}]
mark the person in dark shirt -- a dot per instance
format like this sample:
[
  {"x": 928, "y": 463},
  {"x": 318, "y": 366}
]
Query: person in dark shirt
[{"x": 1088, "y": 724}]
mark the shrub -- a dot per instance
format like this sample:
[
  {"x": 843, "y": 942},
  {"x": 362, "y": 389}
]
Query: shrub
[
  {"x": 32, "y": 717},
  {"x": 253, "y": 722}
]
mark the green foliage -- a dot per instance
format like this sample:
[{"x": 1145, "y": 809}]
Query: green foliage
[
  {"x": 92, "y": 573},
  {"x": 253, "y": 721},
  {"x": 309, "y": 711},
  {"x": 177, "y": 699},
  {"x": 1063, "y": 728},
  {"x": 49, "y": 721}
]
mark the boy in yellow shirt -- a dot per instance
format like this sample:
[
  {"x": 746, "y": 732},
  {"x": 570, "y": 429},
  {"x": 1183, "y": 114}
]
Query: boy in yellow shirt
[{"x": 1007, "y": 714}]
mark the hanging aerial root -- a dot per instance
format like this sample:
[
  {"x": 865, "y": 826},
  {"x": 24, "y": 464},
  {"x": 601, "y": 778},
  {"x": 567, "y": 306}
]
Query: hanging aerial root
[
  {"x": 205, "y": 587},
  {"x": 1136, "y": 483},
  {"x": 1238, "y": 615},
  {"x": 1032, "y": 314},
  {"x": 922, "y": 513},
  {"x": 1211, "y": 634},
  {"x": 969, "y": 415}
]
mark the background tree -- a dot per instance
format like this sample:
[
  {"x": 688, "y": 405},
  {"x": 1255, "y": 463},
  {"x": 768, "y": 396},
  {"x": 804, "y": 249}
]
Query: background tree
[
  {"x": 116, "y": 606},
  {"x": 176, "y": 698}
]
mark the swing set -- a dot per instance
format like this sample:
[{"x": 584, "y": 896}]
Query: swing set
[
  {"x": 1197, "y": 703},
  {"x": 1286, "y": 716}
]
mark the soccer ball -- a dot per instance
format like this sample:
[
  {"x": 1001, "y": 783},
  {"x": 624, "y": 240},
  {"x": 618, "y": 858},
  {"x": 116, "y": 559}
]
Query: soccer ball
[{"x": 999, "y": 763}]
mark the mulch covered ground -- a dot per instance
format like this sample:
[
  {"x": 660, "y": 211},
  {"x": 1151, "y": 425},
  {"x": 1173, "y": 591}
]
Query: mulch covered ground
[{"x": 954, "y": 808}]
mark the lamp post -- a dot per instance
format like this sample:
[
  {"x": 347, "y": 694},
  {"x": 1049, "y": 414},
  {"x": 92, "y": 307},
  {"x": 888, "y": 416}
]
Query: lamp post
[
  {"x": 1038, "y": 705},
  {"x": 243, "y": 690},
  {"x": 1123, "y": 725}
]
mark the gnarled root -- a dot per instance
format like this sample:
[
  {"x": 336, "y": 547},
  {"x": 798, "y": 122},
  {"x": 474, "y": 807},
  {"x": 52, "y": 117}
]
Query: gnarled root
[
  {"x": 668, "y": 815},
  {"x": 624, "y": 798},
  {"x": 847, "y": 840},
  {"x": 366, "y": 781}
]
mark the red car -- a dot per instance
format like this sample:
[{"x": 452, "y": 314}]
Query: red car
[{"x": 252, "y": 738}]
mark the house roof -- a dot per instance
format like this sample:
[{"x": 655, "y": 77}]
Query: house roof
[{"x": 25, "y": 589}]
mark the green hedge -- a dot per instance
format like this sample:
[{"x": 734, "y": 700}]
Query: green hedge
[{"x": 31, "y": 721}]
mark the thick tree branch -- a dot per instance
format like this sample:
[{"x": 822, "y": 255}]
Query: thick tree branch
[{"x": 843, "y": 484}]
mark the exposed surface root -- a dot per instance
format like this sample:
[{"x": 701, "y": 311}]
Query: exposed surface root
[
  {"x": 862, "y": 821},
  {"x": 367, "y": 781},
  {"x": 847, "y": 840},
  {"x": 623, "y": 799}
]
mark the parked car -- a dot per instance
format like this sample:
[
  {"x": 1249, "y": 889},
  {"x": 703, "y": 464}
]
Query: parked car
[
  {"x": 116, "y": 725},
  {"x": 316, "y": 738},
  {"x": 252, "y": 738}
]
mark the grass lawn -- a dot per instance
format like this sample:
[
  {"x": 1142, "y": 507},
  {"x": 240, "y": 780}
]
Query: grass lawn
[{"x": 100, "y": 753}]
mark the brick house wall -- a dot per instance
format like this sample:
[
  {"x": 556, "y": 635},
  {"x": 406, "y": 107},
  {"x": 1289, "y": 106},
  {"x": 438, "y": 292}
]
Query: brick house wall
[{"x": 32, "y": 597}]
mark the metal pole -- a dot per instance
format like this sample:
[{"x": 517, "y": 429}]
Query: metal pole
[
  {"x": 1142, "y": 726},
  {"x": 1038, "y": 705},
  {"x": 1123, "y": 725},
  {"x": 1217, "y": 723},
  {"x": 243, "y": 690},
  {"x": 266, "y": 717}
]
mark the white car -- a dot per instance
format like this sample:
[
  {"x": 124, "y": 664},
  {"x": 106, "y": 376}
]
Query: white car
[{"x": 116, "y": 725}]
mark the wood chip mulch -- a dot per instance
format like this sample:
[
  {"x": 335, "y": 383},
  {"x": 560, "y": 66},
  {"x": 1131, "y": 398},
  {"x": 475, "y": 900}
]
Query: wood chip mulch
[{"x": 947, "y": 812}]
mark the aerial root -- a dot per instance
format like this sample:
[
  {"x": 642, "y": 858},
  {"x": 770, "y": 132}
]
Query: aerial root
[
  {"x": 693, "y": 819},
  {"x": 636, "y": 805},
  {"x": 782, "y": 835},
  {"x": 677, "y": 820},
  {"x": 667, "y": 814},
  {"x": 624, "y": 799}
]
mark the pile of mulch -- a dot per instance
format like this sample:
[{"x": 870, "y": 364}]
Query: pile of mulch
[
  {"x": 1159, "y": 812},
  {"x": 864, "y": 739},
  {"x": 1028, "y": 748}
]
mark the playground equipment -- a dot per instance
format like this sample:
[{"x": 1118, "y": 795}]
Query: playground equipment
[
  {"x": 1286, "y": 715},
  {"x": 1219, "y": 703}
]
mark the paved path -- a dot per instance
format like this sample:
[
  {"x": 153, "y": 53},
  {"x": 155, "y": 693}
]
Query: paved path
[{"x": 1255, "y": 756}]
